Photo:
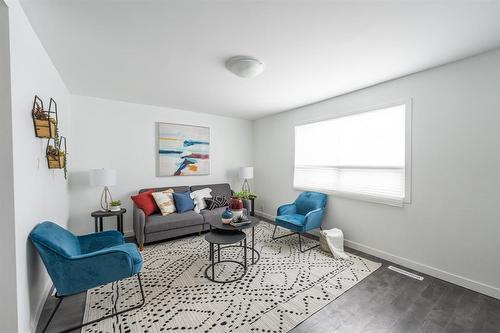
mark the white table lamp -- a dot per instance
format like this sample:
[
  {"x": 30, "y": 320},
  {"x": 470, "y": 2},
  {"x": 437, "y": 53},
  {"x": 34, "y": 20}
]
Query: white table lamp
[
  {"x": 246, "y": 173},
  {"x": 103, "y": 177}
]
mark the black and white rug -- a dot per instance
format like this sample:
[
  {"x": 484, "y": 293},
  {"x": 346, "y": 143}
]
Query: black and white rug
[{"x": 279, "y": 292}]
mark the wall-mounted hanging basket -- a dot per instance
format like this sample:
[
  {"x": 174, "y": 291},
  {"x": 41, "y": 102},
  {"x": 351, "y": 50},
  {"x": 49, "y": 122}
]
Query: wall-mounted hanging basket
[
  {"x": 56, "y": 153},
  {"x": 44, "y": 121}
]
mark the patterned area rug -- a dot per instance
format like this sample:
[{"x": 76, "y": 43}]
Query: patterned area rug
[{"x": 277, "y": 293}]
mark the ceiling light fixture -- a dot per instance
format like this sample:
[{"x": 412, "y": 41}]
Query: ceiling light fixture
[{"x": 245, "y": 66}]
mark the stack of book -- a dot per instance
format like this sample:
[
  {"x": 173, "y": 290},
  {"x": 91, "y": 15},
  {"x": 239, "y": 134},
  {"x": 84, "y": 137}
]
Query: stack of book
[{"x": 238, "y": 223}]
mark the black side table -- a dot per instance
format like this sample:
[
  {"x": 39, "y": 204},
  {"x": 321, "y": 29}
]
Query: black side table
[
  {"x": 220, "y": 237},
  {"x": 99, "y": 214}
]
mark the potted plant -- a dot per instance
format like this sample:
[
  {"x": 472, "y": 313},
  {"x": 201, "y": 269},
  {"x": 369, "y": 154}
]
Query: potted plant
[
  {"x": 115, "y": 205},
  {"x": 45, "y": 126},
  {"x": 247, "y": 197},
  {"x": 56, "y": 158}
]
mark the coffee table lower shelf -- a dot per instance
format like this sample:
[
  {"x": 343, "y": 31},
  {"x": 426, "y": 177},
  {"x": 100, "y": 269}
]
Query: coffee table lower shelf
[{"x": 219, "y": 237}]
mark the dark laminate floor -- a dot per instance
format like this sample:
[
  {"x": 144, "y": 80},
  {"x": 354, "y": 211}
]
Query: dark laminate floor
[{"x": 385, "y": 301}]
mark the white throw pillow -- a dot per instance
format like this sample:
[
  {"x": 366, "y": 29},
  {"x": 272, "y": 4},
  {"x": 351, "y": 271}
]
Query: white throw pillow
[
  {"x": 198, "y": 198},
  {"x": 165, "y": 201}
]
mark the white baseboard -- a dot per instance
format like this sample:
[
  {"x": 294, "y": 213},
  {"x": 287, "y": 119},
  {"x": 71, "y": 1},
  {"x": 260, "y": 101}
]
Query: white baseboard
[
  {"x": 422, "y": 268},
  {"x": 129, "y": 233},
  {"x": 432, "y": 271},
  {"x": 39, "y": 308},
  {"x": 267, "y": 216}
]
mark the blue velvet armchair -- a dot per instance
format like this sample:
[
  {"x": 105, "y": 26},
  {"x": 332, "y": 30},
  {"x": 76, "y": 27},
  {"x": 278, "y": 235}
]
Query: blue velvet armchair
[
  {"x": 303, "y": 215},
  {"x": 79, "y": 263}
]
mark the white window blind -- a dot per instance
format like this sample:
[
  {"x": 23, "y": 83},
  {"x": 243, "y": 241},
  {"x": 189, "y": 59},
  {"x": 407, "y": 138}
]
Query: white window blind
[{"x": 360, "y": 155}]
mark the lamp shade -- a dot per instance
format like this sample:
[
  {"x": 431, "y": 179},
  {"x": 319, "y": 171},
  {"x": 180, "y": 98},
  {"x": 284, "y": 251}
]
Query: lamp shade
[
  {"x": 103, "y": 177},
  {"x": 246, "y": 172}
]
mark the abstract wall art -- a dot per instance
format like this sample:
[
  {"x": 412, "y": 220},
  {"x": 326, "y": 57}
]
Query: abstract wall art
[{"x": 183, "y": 150}]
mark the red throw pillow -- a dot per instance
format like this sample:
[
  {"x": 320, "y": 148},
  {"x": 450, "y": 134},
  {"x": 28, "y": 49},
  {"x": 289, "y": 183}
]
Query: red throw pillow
[{"x": 146, "y": 202}]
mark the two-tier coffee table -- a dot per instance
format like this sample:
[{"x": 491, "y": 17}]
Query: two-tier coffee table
[
  {"x": 221, "y": 237},
  {"x": 228, "y": 228}
]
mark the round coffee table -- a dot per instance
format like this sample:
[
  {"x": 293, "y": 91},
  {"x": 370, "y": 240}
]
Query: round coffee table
[
  {"x": 218, "y": 225},
  {"x": 221, "y": 237}
]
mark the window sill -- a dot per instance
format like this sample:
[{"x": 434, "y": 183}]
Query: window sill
[{"x": 358, "y": 196}]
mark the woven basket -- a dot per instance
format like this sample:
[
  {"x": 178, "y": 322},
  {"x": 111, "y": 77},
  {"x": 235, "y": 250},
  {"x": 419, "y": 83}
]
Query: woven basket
[{"x": 42, "y": 129}]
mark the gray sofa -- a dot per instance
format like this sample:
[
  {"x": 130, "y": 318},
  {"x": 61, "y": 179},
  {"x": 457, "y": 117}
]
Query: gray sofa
[{"x": 156, "y": 227}]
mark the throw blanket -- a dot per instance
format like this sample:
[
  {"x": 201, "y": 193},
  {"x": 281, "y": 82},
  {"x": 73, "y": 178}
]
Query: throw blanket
[{"x": 335, "y": 240}]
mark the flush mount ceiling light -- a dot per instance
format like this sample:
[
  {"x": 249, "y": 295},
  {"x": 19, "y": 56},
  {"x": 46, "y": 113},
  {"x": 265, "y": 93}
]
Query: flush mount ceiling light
[{"x": 245, "y": 66}]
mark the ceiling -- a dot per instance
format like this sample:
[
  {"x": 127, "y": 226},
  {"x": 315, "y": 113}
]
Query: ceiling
[{"x": 172, "y": 53}]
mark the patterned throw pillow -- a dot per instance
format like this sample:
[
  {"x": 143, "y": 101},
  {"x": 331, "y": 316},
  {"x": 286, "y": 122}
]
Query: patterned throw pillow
[
  {"x": 165, "y": 201},
  {"x": 216, "y": 202}
]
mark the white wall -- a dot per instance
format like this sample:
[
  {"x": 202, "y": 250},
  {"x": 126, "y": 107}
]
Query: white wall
[
  {"x": 451, "y": 228},
  {"x": 8, "y": 306},
  {"x": 40, "y": 194},
  {"x": 121, "y": 136}
]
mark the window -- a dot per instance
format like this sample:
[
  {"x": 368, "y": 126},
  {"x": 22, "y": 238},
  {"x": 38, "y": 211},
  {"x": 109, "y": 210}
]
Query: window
[{"x": 364, "y": 155}]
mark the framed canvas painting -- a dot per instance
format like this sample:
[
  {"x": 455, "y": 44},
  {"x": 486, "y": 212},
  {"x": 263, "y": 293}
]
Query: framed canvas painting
[{"x": 183, "y": 150}]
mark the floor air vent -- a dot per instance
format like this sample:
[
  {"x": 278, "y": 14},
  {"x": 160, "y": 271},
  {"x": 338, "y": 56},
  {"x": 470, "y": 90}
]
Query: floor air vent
[{"x": 402, "y": 271}]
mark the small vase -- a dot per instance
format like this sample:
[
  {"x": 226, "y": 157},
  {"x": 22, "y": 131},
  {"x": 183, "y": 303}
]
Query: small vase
[
  {"x": 236, "y": 206},
  {"x": 227, "y": 216}
]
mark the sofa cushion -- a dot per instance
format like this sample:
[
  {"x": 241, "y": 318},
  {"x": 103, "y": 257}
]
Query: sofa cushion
[
  {"x": 215, "y": 215},
  {"x": 199, "y": 196},
  {"x": 145, "y": 201},
  {"x": 157, "y": 222},
  {"x": 183, "y": 202},
  {"x": 217, "y": 189},
  {"x": 216, "y": 202},
  {"x": 165, "y": 201}
]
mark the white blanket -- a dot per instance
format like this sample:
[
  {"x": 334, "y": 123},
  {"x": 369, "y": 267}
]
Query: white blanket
[{"x": 335, "y": 240}]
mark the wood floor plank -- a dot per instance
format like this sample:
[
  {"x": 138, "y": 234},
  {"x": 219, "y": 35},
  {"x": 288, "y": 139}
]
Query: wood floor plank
[
  {"x": 408, "y": 290},
  {"x": 412, "y": 319},
  {"x": 441, "y": 312},
  {"x": 464, "y": 315},
  {"x": 488, "y": 319}
]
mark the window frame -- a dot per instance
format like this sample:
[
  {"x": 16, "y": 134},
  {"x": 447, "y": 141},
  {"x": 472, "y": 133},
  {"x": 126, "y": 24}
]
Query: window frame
[{"x": 408, "y": 103}]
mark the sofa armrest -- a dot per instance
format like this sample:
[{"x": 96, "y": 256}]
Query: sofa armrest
[
  {"x": 286, "y": 209},
  {"x": 139, "y": 222}
]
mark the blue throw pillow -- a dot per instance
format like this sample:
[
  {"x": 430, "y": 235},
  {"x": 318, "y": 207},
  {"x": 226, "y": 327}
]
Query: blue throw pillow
[{"x": 183, "y": 202}]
